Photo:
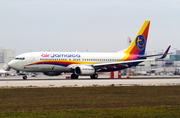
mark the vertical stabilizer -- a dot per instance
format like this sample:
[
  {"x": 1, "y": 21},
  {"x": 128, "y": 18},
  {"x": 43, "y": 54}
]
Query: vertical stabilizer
[
  {"x": 5, "y": 68},
  {"x": 138, "y": 46}
]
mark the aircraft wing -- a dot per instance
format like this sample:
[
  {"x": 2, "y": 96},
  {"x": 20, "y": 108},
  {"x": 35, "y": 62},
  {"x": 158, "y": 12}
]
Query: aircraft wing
[
  {"x": 113, "y": 64},
  {"x": 122, "y": 63}
]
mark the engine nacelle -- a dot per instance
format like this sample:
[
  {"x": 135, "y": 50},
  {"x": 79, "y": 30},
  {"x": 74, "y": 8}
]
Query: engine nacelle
[
  {"x": 84, "y": 70},
  {"x": 52, "y": 73}
]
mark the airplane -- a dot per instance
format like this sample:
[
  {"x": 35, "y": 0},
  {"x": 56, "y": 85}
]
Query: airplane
[
  {"x": 85, "y": 63},
  {"x": 5, "y": 70}
]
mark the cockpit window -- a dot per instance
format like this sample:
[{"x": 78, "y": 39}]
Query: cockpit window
[{"x": 20, "y": 58}]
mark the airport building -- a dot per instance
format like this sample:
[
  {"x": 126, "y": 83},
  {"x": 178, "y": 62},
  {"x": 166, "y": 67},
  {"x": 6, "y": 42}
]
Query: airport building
[
  {"x": 6, "y": 56},
  {"x": 168, "y": 66}
]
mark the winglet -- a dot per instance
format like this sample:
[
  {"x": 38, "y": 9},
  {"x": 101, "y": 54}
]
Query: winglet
[{"x": 165, "y": 54}]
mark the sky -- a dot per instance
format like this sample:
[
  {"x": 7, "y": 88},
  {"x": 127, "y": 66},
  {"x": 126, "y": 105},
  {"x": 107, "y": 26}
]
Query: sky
[{"x": 87, "y": 25}]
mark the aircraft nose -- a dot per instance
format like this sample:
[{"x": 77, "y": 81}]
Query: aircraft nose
[{"x": 11, "y": 64}]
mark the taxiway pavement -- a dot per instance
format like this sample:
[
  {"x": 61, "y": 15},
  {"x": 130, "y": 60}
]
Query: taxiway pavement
[{"x": 62, "y": 82}]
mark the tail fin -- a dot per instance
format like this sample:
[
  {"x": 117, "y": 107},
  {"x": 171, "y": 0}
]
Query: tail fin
[
  {"x": 8, "y": 68},
  {"x": 5, "y": 68},
  {"x": 138, "y": 46}
]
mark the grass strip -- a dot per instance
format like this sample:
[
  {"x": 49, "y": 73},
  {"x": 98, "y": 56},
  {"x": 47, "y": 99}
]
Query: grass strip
[
  {"x": 150, "y": 112},
  {"x": 125, "y": 101}
]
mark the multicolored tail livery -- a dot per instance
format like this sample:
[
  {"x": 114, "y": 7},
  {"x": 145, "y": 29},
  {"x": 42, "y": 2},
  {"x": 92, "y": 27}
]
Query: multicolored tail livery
[{"x": 138, "y": 46}]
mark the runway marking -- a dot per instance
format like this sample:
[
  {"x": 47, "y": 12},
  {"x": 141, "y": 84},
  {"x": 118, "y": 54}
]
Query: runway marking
[{"x": 49, "y": 83}]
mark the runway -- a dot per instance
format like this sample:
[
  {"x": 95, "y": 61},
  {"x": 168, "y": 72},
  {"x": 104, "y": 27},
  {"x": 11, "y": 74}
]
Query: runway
[{"x": 54, "y": 82}]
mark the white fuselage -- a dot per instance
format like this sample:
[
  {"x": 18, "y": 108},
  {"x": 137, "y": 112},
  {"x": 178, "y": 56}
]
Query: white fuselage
[
  {"x": 60, "y": 61},
  {"x": 4, "y": 72}
]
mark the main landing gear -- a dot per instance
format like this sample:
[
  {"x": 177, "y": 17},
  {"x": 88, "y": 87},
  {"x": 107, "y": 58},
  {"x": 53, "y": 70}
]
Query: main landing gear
[
  {"x": 74, "y": 76},
  {"x": 94, "y": 76}
]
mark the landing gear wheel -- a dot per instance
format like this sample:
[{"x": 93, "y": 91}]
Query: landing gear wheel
[
  {"x": 95, "y": 76},
  {"x": 24, "y": 77},
  {"x": 74, "y": 76}
]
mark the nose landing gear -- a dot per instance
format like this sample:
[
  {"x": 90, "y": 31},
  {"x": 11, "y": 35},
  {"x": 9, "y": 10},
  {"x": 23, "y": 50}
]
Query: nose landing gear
[
  {"x": 23, "y": 74},
  {"x": 24, "y": 77}
]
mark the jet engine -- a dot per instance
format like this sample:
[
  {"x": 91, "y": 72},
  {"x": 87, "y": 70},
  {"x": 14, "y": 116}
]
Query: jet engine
[
  {"x": 84, "y": 70},
  {"x": 52, "y": 73}
]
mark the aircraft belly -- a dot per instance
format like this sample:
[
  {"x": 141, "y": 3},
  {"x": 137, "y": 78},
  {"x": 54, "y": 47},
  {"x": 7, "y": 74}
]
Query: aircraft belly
[
  {"x": 60, "y": 68},
  {"x": 112, "y": 69},
  {"x": 45, "y": 68}
]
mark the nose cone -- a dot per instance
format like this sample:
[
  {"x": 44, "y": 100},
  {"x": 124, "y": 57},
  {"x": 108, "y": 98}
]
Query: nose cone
[{"x": 11, "y": 64}]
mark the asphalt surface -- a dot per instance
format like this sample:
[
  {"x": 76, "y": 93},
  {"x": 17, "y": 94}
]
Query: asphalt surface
[{"x": 44, "y": 81}]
